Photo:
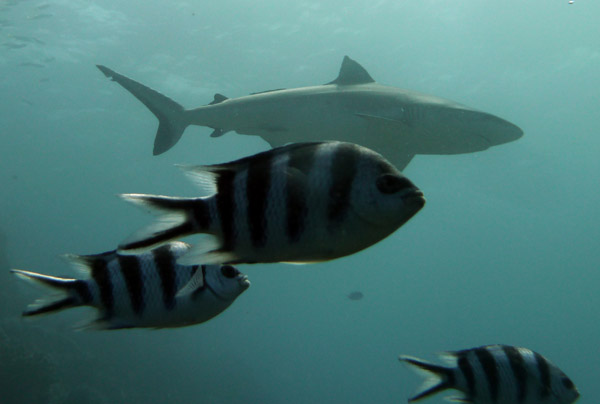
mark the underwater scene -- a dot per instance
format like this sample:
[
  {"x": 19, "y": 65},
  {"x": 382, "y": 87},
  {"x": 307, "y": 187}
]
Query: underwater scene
[{"x": 334, "y": 194}]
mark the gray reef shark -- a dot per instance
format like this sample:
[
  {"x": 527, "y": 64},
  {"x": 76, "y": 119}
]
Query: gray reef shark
[{"x": 352, "y": 108}]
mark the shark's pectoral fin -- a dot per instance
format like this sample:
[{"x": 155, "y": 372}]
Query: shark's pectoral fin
[
  {"x": 218, "y": 132},
  {"x": 400, "y": 159},
  {"x": 276, "y": 136},
  {"x": 275, "y": 141},
  {"x": 384, "y": 121}
]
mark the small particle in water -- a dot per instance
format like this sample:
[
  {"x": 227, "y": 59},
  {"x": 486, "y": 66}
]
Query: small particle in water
[
  {"x": 356, "y": 295},
  {"x": 571, "y": 2}
]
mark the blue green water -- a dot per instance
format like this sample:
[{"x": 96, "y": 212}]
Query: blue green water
[{"x": 505, "y": 251}]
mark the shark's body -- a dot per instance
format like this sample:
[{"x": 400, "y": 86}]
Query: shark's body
[{"x": 352, "y": 108}]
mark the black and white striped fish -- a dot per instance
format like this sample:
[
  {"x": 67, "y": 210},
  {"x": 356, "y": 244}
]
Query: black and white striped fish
[
  {"x": 145, "y": 290},
  {"x": 499, "y": 374},
  {"x": 300, "y": 203}
]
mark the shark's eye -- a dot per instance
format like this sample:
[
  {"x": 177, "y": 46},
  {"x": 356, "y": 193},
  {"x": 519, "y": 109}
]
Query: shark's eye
[
  {"x": 390, "y": 183},
  {"x": 229, "y": 272}
]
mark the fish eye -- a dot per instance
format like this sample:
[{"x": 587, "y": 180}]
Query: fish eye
[
  {"x": 390, "y": 183},
  {"x": 229, "y": 272},
  {"x": 568, "y": 383}
]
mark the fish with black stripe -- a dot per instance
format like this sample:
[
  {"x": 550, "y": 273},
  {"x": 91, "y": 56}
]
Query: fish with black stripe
[
  {"x": 144, "y": 290},
  {"x": 495, "y": 374},
  {"x": 300, "y": 203}
]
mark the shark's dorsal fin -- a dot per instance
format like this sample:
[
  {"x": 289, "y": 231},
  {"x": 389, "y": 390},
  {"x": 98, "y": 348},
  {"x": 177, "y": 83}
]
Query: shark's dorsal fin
[
  {"x": 352, "y": 73},
  {"x": 218, "y": 98}
]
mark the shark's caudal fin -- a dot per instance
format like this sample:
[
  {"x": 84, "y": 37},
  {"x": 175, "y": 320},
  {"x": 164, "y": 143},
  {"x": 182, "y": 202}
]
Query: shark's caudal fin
[
  {"x": 180, "y": 217},
  {"x": 67, "y": 297},
  {"x": 437, "y": 378},
  {"x": 171, "y": 116},
  {"x": 352, "y": 73}
]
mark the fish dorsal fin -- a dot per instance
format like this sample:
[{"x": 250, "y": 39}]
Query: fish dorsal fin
[
  {"x": 196, "y": 282},
  {"x": 352, "y": 73},
  {"x": 205, "y": 177},
  {"x": 449, "y": 357},
  {"x": 85, "y": 264},
  {"x": 218, "y": 99}
]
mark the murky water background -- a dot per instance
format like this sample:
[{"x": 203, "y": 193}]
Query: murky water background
[{"x": 506, "y": 250}]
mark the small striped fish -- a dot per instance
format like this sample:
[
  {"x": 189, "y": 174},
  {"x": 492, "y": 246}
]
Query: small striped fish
[
  {"x": 499, "y": 374},
  {"x": 145, "y": 290},
  {"x": 300, "y": 203}
]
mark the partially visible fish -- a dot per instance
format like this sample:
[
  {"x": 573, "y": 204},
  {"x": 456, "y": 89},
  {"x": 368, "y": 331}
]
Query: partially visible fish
[
  {"x": 301, "y": 203},
  {"x": 495, "y": 374},
  {"x": 356, "y": 295},
  {"x": 145, "y": 290}
]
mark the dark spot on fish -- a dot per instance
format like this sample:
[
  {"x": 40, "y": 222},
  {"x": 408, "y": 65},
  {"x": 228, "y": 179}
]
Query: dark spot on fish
[{"x": 356, "y": 295}]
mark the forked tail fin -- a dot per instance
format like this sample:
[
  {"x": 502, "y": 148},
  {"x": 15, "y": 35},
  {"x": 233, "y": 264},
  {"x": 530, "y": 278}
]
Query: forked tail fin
[
  {"x": 172, "y": 120},
  {"x": 66, "y": 298},
  {"x": 437, "y": 378},
  {"x": 180, "y": 217}
]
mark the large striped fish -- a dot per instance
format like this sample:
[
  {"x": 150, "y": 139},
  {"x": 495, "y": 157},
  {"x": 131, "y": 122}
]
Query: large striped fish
[
  {"x": 300, "y": 203},
  {"x": 499, "y": 374},
  {"x": 145, "y": 290}
]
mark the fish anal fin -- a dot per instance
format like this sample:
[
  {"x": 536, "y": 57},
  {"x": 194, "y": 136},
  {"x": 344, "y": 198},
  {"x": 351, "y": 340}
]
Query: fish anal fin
[
  {"x": 101, "y": 324},
  {"x": 351, "y": 72}
]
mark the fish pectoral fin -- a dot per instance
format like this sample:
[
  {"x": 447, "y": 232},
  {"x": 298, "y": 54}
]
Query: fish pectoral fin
[
  {"x": 196, "y": 282},
  {"x": 206, "y": 251}
]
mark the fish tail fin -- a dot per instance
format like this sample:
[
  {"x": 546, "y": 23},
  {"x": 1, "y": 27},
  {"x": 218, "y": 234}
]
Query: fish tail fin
[
  {"x": 66, "y": 297},
  {"x": 437, "y": 378},
  {"x": 179, "y": 217},
  {"x": 171, "y": 116}
]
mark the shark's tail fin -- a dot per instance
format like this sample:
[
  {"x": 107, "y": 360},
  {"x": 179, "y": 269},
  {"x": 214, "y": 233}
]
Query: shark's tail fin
[
  {"x": 68, "y": 296},
  {"x": 171, "y": 115},
  {"x": 437, "y": 378}
]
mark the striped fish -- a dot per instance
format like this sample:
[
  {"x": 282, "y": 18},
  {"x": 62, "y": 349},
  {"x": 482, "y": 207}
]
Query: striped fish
[
  {"x": 300, "y": 203},
  {"x": 145, "y": 290},
  {"x": 499, "y": 374}
]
